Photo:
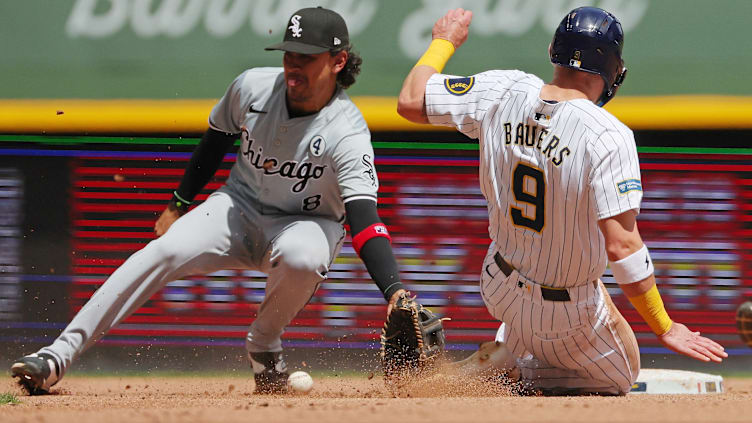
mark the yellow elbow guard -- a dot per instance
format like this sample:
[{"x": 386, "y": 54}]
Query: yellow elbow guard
[
  {"x": 650, "y": 306},
  {"x": 437, "y": 55}
]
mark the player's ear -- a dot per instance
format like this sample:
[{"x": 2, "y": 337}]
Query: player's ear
[{"x": 340, "y": 60}]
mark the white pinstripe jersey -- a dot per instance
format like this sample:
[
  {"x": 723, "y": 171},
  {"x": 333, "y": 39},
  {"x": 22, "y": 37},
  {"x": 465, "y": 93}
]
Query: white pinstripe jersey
[
  {"x": 549, "y": 171},
  {"x": 308, "y": 165}
]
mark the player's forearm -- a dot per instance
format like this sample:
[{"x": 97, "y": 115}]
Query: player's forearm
[
  {"x": 638, "y": 288},
  {"x": 642, "y": 293},
  {"x": 634, "y": 274},
  {"x": 379, "y": 259},
  {"x": 411, "y": 103},
  {"x": 448, "y": 34},
  {"x": 372, "y": 243},
  {"x": 646, "y": 299},
  {"x": 206, "y": 159},
  {"x": 632, "y": 267}
]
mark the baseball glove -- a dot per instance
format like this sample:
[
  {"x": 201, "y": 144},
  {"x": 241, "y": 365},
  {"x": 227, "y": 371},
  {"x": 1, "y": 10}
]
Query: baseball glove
[{"x": 411, "y": 341}]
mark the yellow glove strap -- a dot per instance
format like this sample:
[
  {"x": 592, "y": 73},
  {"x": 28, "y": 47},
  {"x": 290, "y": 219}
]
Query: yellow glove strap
[
  {"x": 437, "y": 55},
  {"x": 650, "y": 307}
]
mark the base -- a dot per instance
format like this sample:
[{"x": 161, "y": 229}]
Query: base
[{"x": 664, "y": 381}]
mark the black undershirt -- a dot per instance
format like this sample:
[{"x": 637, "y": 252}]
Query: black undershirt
[
  {"x": 377, "y": 252},
  {"x": 204, "y": 162}
]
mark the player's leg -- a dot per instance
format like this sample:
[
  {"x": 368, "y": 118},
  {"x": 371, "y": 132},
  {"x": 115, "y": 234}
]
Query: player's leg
[
  {"x": 623, "y": 335},
  {"x": 583, "y": 345},
  {"x": 198, "y": 242},
  {"x": 500, "y": 354},
  {"x": 586, "y": 348},
  {"x": 298, "y": 259}
]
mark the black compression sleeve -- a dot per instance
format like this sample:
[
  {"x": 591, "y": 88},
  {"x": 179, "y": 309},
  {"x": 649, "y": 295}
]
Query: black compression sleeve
[
  {"x": 204, "y": 162},
  {"x": 376, "y": 252}
]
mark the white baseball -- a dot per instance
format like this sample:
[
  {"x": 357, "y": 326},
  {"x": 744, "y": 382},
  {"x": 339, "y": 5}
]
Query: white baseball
[{"x": 300, "y": 381}]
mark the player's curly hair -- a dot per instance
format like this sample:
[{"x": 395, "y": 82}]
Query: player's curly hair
[{"x": 346, "y": 77}]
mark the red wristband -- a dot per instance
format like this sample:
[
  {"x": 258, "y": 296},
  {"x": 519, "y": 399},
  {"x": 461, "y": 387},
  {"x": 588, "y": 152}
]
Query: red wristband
[{"x": 373, "y": 231}]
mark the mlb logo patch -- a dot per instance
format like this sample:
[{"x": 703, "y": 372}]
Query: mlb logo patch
[
  {"x": 380, "y": 229},
  {"x": 629, "y": 185}
]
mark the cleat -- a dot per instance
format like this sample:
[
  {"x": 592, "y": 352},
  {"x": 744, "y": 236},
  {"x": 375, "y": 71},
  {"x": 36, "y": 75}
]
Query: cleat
[
  {"x": 269, "y": 372},
  {"x": 491, "y": 357},
  {"x": 36, "y": 373}
]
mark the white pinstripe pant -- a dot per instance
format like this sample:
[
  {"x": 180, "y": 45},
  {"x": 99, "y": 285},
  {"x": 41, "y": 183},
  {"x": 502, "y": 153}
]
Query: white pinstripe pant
[{"x": 583, "y": 344}]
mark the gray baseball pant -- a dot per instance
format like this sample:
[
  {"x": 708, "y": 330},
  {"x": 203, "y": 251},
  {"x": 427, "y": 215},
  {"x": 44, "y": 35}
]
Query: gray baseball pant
[{"x": 221, "y": 233}]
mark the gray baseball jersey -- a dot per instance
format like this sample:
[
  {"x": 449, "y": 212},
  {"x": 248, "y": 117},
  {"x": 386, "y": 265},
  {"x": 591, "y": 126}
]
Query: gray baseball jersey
[
  {"x": 281, "y": 212},
  {"x": 548, "y": 171},
  {"x": 308, "y": 165}
]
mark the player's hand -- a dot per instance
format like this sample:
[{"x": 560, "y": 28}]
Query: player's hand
[
  {"x": 453, "y": 26},
  {"x": 166, "y": 219},
  {"x": 680, "y": 339},
  {"x": 393, "y": 300}
]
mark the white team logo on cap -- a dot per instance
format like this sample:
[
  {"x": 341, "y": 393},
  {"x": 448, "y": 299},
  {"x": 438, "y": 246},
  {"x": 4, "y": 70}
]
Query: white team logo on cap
[
  {"x": 295, "y": 27},
  {"x": 317, "y": 145},
  {"x": 337, "y": 41}
]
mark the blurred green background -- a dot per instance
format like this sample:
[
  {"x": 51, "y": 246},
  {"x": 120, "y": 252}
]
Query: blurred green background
[{"x": 194, "y": 48}]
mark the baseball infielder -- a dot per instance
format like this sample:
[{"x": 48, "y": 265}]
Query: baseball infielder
[
  {"x": 304, "y": 167},
  {"x": 562, "y": 181}
]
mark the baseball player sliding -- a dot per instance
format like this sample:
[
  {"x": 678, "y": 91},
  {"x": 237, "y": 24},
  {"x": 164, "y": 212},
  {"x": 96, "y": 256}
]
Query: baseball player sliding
[
  {"x": 305, "y": 167},
  {"x": 562, "y": 181}
]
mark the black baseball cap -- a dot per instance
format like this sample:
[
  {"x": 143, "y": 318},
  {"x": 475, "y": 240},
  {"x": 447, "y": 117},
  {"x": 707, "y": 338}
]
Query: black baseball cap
[{"x": 314, "y": 30}]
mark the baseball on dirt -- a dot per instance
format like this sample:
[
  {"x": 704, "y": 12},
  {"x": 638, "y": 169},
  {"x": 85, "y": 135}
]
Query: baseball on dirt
[{"x": 300, "y": 381}]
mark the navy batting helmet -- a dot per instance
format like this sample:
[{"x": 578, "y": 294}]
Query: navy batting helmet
[{"x": 590, "y": 39}]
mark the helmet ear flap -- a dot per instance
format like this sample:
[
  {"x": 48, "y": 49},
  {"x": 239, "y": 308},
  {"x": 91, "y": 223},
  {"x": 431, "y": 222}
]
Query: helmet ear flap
[
  {"x": 610, "y": 92},
  {"x": 621, "y": 76}
]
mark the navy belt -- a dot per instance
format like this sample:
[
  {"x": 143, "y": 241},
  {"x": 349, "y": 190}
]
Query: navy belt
[{"x": 548, "y": 293}]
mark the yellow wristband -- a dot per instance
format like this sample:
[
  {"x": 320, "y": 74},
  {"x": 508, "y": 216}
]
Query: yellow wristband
[
  {"x": 650, "y": 306},
  {"x": 437, "y": 55}
]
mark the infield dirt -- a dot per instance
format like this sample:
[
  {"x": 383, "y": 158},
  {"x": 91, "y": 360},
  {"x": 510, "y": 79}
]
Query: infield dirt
[{"x": 136, "y": 399}]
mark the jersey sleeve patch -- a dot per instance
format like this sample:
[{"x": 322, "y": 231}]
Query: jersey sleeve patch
[
  {"x": 629, "y": 185},
  {"x": 369, "y": 171},
  {"x": 459, "y": 86}
]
